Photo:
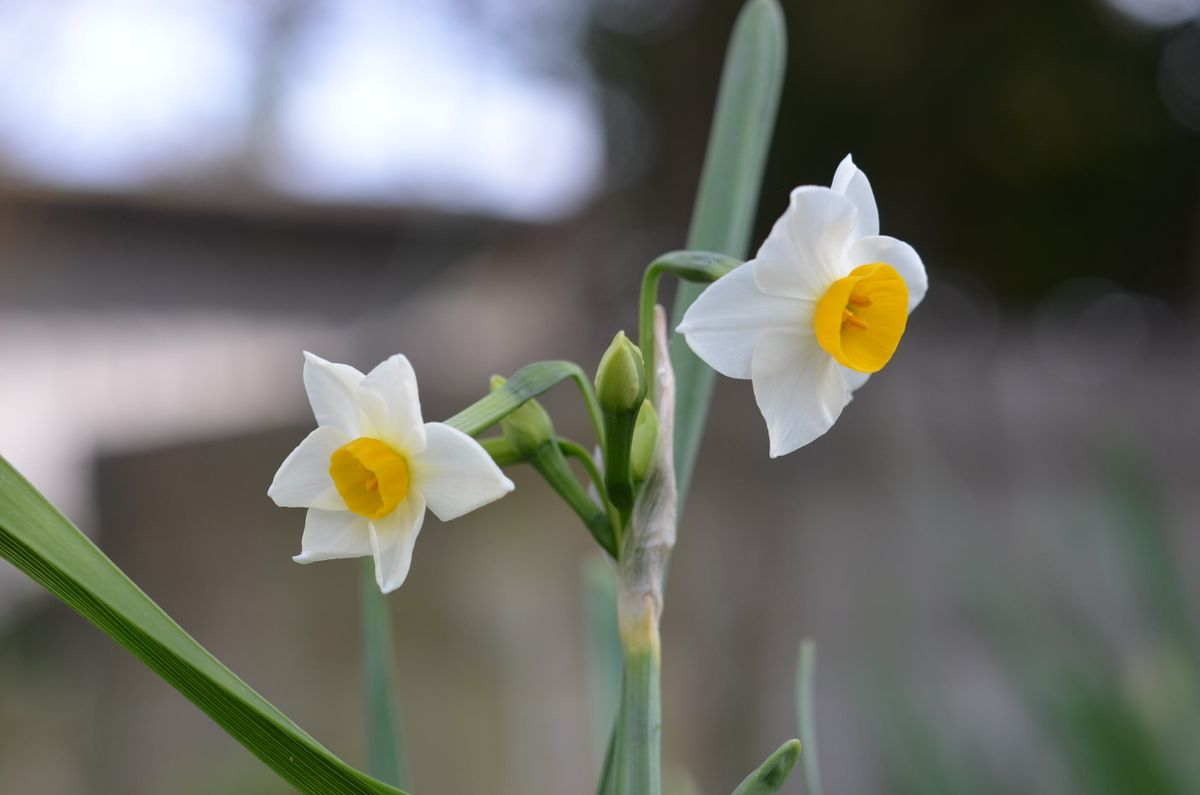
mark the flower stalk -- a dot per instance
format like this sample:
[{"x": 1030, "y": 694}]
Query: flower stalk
[
  {"x": 620, "y": 390},
  {"x": 552, "y": 465},
  {"x": 695, "y": 267},
  {"x": 645, "y": 549},
  {"x": 528, "y": 436}
]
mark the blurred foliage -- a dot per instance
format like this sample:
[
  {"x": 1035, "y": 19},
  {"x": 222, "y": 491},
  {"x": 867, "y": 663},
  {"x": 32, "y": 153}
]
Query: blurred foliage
[
  {"x": 1107, "y": 721},
  {"x": 1017, "y": 143}
]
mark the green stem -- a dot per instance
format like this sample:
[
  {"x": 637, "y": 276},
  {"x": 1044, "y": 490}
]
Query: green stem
[
  {"x": 501, "y": 450},
  {"x": 618, "y": 479},
  {"x": 579, "y": 453},
  {"x": 385, "y": 755},
  {"x": 700, "y": 267},
  {"x": 552, "y": 465},
  {"x": 639, "y": 723}
]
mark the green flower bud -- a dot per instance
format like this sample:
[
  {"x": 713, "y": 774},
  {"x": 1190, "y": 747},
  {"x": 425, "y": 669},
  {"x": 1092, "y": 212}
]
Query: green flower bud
[
  {"x": 527, "y": 428},
  {"x": 645, "y": 439},
  {"x": 621, "y": 377}
]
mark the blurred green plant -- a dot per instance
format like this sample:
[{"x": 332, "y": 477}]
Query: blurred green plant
[{"x": 1108, "y": 723}]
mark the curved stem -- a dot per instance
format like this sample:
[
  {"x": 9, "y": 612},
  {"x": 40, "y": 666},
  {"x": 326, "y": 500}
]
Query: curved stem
[
  {"x": 501, "y": 450},
  {"x": 551, "y": 464},
  {"x": 591, "y": 403},
  {"x": 579, "y": 453},
  {"x": 701, "y": 267}
]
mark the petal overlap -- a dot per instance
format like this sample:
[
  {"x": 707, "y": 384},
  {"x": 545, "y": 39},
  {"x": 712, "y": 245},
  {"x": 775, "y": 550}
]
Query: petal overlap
[
  {"x": 371, "y": 428},
  {"x": 455, "y": 474},
  {"x": 788, "y": 320},
  {"x": 727, "y": 320}
]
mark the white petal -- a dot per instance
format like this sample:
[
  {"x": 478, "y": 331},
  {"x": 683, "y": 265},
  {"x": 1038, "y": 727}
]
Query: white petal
[
  {"x": 854, "y": 379},
  {"x": 391, "y": 407},
  {"x": 455, "y": 474},
  {"x": 329, "y": 535},
  {"x": 725, "y": 322},
  {"x": 852, "y": 183},
  {"x": 799, "y": 388},
  {"x": 899, "y": 255},
  {"x": 392, "y": 540},
  {"x": 331, "y": 389},
  {"x": 804, "y": 253},
  {"x": 303, "y": 479}
]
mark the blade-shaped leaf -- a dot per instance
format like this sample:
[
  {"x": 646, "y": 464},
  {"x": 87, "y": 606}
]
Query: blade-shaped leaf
[
  {"x": 385, "y": 748},
  {"x": 773, "y": 773},
  {"x": 41, "y": 542},
  {"x": 528, "y": 382},
  {"x": 723, "y": 217},
  {"x": 806, "y": 673}
]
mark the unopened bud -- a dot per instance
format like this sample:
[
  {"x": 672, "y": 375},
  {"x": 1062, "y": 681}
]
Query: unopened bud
[
  {"x": 621, "y": 377},
  {"x": 528, "y": 427},
  {"x": 645, "y": 439}
]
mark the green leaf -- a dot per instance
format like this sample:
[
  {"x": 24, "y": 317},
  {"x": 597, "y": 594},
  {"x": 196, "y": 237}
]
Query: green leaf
[
  {"x": 528, "y": 382},
  {"x": 805, "y": 675},
  {"x": 773, "y": 773},
  {"x": 41, "y": 542},
  {"x": 723, "y": 217},
  {"x": 385, "y": 749},
  {"x": 604, "y": 672}
]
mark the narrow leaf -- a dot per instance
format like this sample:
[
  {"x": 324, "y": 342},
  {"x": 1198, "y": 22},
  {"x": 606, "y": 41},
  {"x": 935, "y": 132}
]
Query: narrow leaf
[
  {"x": 773, "y": 773},
  {"x": 723, "y": 217},
  {"x": 604, "y": 670},
  {"x": 41, "y": 542},
  {"x": 528, "y": 382},
  {"x": 385, "y": 751},
  {"x": 805, "y": 675}
]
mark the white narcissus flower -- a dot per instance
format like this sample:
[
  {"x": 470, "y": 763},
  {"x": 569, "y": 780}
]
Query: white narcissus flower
[
  {"x": 368, "y": 471},
  {"x": 821, "y": 307}
]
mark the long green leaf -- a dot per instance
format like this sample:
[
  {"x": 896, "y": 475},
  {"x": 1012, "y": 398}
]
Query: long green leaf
[
  {"x": 723, "y": 217},
  {"x": 773, "y": 773},
  {"x": 41, "y": 542},
  {"x": 385, "y": 750},
  {"x": 806, "y": 673}
]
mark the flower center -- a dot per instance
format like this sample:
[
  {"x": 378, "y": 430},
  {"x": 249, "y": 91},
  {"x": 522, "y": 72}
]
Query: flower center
[
  {"x": 861, "y": 318},
  {"x": 371, "y": 477}
]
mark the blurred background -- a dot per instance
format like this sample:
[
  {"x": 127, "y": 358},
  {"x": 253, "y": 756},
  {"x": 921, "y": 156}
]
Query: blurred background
[{"x": 995, "y": 548}]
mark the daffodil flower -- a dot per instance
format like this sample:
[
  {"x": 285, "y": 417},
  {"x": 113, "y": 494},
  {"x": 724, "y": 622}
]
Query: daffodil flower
[
  {"x": 372, "y": 466},
  {"x": 822, "y": 305}
]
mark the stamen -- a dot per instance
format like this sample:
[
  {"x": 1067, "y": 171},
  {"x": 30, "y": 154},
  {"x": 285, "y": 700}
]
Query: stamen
[{"x": 861, "y": 317}]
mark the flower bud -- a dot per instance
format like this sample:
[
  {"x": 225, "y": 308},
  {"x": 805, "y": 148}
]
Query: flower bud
[
  {"x": 526, "y": 428},
  {"x": 645, "y": 439},
  {"x": 621, "y": 377}
]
